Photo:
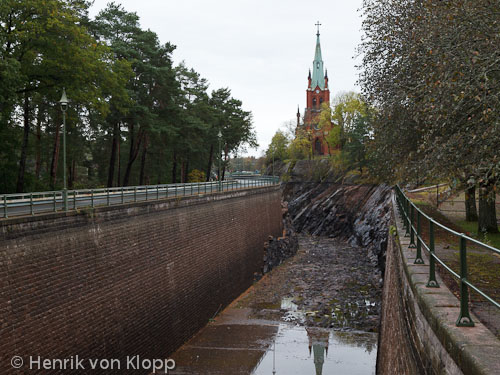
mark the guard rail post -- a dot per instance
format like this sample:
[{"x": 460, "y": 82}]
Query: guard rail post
[
  {"x": 432, "y": 282},
  {"x": 464, "y": 319},
  {"x": 412, "y": 231},
  {"x": 418, "y": 257},
  {"x": 5, "y": 210}
]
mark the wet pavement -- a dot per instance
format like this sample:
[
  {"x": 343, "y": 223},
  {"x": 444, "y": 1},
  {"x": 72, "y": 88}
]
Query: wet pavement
[{"x": 315, "y": 314}]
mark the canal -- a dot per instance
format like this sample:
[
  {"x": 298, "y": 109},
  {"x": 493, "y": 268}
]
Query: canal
[{"x": 318, "y": 313}]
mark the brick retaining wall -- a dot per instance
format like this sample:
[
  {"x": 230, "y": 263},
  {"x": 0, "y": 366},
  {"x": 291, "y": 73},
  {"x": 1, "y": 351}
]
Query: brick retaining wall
[{"x": 135, "y": 279}]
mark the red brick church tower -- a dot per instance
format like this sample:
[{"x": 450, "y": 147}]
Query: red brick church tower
[{"x": 317, "y": 93}]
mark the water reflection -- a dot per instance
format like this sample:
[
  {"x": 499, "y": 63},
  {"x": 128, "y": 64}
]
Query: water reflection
[
  {"x": 300, "y": 350},
  {"x": 318, "y": 341}
]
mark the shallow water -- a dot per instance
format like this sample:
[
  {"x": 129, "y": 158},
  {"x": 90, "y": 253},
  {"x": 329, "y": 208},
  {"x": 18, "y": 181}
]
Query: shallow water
[{"x": 301, "y": 351}]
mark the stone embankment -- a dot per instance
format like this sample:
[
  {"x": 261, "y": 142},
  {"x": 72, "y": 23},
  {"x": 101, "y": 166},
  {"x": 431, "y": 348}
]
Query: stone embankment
[{"x": 335, "y": 207}]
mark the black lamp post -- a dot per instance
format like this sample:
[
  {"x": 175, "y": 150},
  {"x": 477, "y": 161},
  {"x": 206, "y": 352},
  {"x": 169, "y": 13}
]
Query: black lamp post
[
  {"x": 220, "y": 157},
  {"x": 64, "y": 107}
]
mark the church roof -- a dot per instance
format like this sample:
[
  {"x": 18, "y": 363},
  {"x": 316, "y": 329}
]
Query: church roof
[{"x": 318, "y": 76}]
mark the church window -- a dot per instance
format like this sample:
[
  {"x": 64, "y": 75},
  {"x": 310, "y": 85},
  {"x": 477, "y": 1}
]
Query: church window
[
  {"x": 320, "y": 101},
  {"x": 314, "y": 102},
  {"x": 317, "y": 147}
]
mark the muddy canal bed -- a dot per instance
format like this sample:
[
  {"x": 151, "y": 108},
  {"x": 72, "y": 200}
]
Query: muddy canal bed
[{"x": 318, "y": 313}]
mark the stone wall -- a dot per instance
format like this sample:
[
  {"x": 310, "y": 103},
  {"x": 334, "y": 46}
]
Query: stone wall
[{"x": 136, "y": 279}]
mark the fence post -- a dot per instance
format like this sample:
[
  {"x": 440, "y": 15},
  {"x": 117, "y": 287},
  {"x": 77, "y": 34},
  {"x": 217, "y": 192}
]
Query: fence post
[
  {"x": 146, "y": 192},
  {"x": 92, "y": 198},
  {"x": 31, "y": 204},
  {"x": 432, "y": 282},
  {"x": 412, "y": 231},
  {"x": 157, "y": 193},
  {"x": 74, "y": 199},
  {"x": 5, "y": 214},
  {"x": 107, "y": 196},
  {"x": 407, "y": 211},
  {"x": 402, "y": 207},
  {"x": 122, "y": 195},
  {"x": 55, "y": 206},
  {"x": 418, "y": 258},
  {"x": 464, "y": 319},
  {"x": 135, "y": 193}
]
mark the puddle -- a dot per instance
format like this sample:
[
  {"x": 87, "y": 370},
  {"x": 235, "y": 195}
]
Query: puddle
[
  {"x": 317, "y": 351},
  {"x": 345, "y": 316}
]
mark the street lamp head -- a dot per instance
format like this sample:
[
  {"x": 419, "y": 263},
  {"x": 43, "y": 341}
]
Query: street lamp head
[
  {"x": 64, "y": 101},
  {"x": 219, "y": 135}
]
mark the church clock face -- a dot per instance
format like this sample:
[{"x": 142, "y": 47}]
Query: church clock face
[{"x": 317, "y": 91}]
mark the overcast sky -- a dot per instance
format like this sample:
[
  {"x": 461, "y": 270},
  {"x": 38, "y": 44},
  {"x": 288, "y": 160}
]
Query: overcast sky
[{"x": 260, "y": 49}]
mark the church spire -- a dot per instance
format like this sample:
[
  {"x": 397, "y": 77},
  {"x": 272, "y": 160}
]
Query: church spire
[{"x": 318, "y": 77}]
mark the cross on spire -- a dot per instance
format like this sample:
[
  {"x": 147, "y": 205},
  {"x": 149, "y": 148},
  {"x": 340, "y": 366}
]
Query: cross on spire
[{"x": 318, "y": 25}]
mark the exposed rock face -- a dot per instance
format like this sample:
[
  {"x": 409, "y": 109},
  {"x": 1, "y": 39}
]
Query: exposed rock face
[
  {"x": 357, "y": 213},
  {"x": 276, "y": 250}
]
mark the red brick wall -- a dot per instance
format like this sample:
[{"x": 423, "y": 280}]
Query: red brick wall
[{"x": 137, "y": 279}]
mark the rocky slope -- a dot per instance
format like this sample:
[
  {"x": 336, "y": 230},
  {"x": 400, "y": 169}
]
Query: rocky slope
[{"x": 336, "y": 208}]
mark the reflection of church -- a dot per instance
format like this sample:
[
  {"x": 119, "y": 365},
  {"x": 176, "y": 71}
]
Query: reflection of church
[
  {"x": 318, "y": 346},
  {"x": 317, "y": 93}
]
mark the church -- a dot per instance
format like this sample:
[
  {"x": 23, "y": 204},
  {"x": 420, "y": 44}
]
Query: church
[{"x": 317, "y": 93}]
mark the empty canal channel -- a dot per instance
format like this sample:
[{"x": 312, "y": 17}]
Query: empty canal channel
[{"x": 317, "y": 313}]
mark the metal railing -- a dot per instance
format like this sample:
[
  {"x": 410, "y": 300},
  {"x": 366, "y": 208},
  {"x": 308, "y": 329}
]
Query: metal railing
[
  {"x": 53, "y": 201},
  {"x": 412, "y": 218}
]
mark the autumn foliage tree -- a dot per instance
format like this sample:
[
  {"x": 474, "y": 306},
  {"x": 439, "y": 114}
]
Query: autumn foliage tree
[{"x": 430, "y": 68}]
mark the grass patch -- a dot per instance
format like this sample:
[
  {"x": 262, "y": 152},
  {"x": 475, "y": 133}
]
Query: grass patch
[
  {"x": 420, "y": 202},
  {"x": 470, "y": 228},
  {"x": 483, "y": 272}
]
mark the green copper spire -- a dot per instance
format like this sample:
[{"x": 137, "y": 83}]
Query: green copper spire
[{"x": 318, "y": 77}]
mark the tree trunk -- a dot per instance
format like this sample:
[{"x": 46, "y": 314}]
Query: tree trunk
[
  {"x": 72, "y": 177},
  {"x": 38, "y": 162},
  {"x": 134, "y": 151},
  {"x": 183, "y": 172},
  {"x": 174, "y": 168},
  {"x": 24, "y": 147},
  {"x": 143, "y": 162},
  {"x": 210, "y": 161},
  {"x": 487, "y": 222},
  {"x": 470, "y": 204},
  {"x": 118, "y": 177},
  {"x": 112, "y": 159}
]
